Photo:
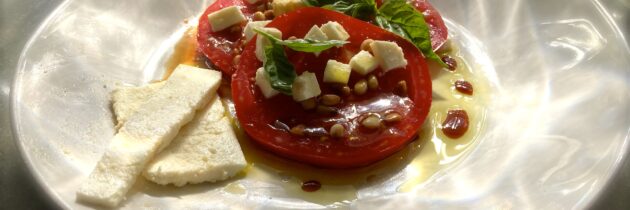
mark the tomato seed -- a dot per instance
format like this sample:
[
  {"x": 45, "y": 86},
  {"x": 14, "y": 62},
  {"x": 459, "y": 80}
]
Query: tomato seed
[
  {"x": 371, "y": 122},
  {"x": 337, "y": 131},
  {"x": 392, "y": 117}
]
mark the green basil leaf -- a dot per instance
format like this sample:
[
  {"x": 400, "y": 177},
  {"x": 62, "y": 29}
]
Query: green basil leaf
[
  {"x": 361, "y": 9},
  {"x": 278, "y": 69},
  {"x": 403, "y": 19},
  {"x": 309, "y": 45},
  {"x": 303, "y": 45}
]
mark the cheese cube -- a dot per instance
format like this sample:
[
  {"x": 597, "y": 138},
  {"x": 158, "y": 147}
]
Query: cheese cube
[
  {"x": 226, "y": 17},
  {"x": 263, "y": 83},
  {"x": 334, "y": 31},
  {"x": 305, "y": 86},
  {"x": 262, "y": 42},
  {"x": 316, "y": 34},
  {"x": 249, "y": 28},
  {"x": 389, "y": 55},
  {"x": 284, "y": 6},
  {"x": 363, "y": 63},
  {"x": 337, "y": 72}
]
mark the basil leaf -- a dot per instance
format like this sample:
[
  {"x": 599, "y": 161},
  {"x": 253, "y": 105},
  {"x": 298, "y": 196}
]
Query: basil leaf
[
  {"x": 279, "y": 71},
  {"x": 361, "y": 9},
  {"x": 403, "y": 19},
  {"x": 310, "y": 45},
  {"x": 303, "y": 45}
]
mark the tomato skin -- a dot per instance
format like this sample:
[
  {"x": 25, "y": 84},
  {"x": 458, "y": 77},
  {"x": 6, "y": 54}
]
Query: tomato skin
[
  {"x": 439, "y": 32},
  {"x": 219, "y": 47},
  {"x": 257, "y": 114}
]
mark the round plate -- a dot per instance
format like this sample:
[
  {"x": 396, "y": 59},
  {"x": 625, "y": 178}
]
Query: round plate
[{"x": 556, "y": 129}]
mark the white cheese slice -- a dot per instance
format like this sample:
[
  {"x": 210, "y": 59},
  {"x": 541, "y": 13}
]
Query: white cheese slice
[
  {"x": 262, "y": 42},
  {"x": 334, "y": 31},
  {"x": 315, "y": 33},
  {"x": 205, "y": 150},
  {"x": 389, "y": 55},
  {"x": 146, "y": 131},
  {"x": 284, "y": 6},
  {"x": 263, "y": 83},
  {"x": 363, "y": 63},
  {"x": 337, "y": 72},
  {"x": 249, "y": 28},
  {"x": 226, "y": 17},
  {"x": 305, "y": 86},
  {"x": 126, "y": 100}
]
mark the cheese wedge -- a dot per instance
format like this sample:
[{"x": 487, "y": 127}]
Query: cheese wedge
[
  {"x": 205, "y": 150},
  {"x": 146, "y": 131}
]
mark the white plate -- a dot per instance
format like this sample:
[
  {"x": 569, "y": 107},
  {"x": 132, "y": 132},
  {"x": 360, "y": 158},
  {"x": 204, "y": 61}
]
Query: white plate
[{"x": 557, "y": 125}]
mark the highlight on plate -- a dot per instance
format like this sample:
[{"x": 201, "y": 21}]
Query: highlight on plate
[{"x": 340, "y": 86}]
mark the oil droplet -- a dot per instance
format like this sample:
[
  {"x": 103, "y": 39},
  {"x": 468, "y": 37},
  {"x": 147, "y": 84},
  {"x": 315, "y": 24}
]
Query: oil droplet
[
  {"x": 456, "y": 123},
  {"x": 311, "y": 186},
  {"x": 235, "y": 188}
]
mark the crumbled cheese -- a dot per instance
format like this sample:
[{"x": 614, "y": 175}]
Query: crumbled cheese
[
  {"x": 249, "y": 28},
  {"x": 305, "y": 87},
  {"x": 389, "y": 55},
  {"x": 226, "y": 17},
  {"x": 334, "y": 31},
  {"x": 337, "y": 72},
  {"x": 262, "y": 42},
  {"x": 363, "y": 63},
  {"x": 263, "y": 83}
]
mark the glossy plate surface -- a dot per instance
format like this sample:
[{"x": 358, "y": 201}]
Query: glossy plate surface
[{"x": 557, "y": 127}]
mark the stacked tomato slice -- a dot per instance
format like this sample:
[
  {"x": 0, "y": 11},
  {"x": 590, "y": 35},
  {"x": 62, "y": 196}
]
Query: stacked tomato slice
[{"x": 266, "y": 120}]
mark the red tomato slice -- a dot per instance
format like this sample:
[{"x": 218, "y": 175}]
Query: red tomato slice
[
  {"x": 267, "y": 120},
  {"x": 220, "y": 47},
  {"x": 439, "y": 32}
]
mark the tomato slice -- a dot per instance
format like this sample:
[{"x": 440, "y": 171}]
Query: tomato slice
[
  {"x": 439, "y": 32},
  {"x": 267, "y": 120},
  {"x": 220, "y": 47}
]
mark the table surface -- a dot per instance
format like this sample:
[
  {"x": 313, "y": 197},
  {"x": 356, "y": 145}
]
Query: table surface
[{"x": 18, "y": 190}]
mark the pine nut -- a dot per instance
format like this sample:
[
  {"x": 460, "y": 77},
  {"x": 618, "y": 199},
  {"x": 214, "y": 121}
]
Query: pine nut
[
  {"x": 337, "y": 131},
  {"x": 298, "y": 130},
  {"x": 371, "y": 122},
  {"x": 360, "y": 87},
  {"x": 330, "y": 99},
  {"x": 372, "y": 82}
]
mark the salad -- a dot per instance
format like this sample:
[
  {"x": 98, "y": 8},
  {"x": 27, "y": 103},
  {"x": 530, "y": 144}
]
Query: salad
[
  {"x": 350, "y": 88},
  {"x": 342, "y": 84}
]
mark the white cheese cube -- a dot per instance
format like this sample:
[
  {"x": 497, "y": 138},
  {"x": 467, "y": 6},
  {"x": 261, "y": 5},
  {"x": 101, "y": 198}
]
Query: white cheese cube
[
  {"x": 262, "y": 42},
  {"x": 316, "y": 34},
  {"x": 363, "y": 63},
  {"x": 226, "y": 17},
  {"x": 337, "y": 72},
  {"x": 284, "y": 6},
  {"x": 263, "y": 83},
  {"x": 249, "y": 28},
  {"x": 389, "y": 55},
  {"x": 253, "y": 1},
  {"x": 334, "y": 31},
  {"x": 305, "y": 86}
]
